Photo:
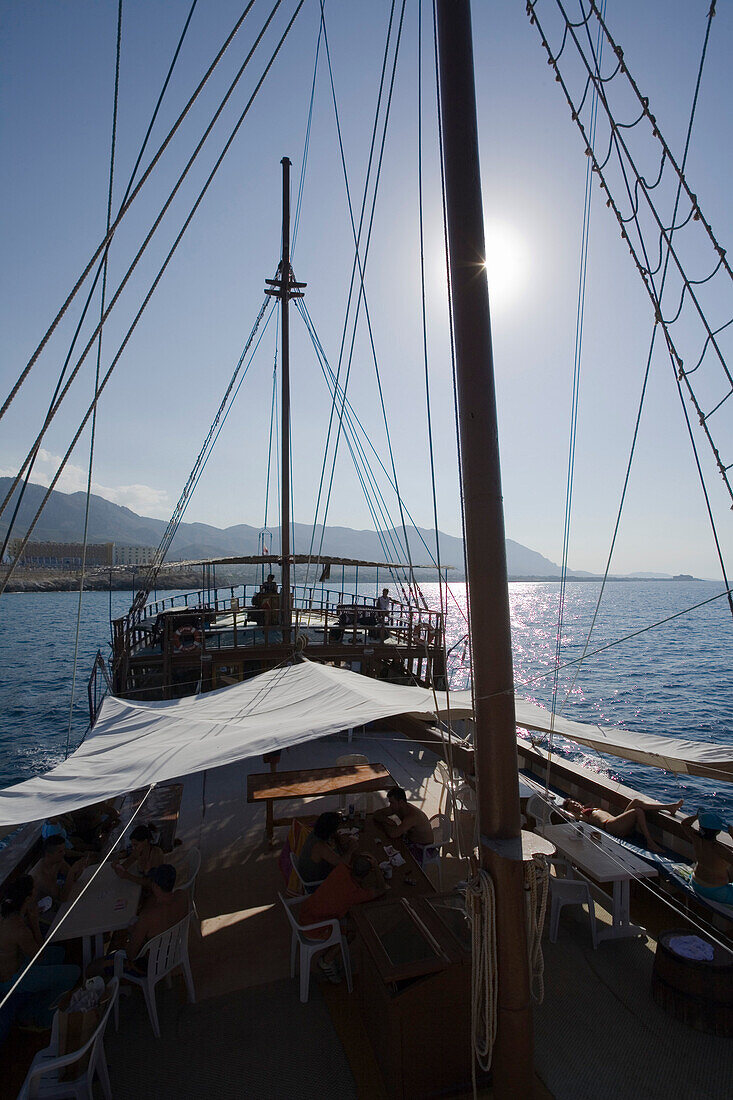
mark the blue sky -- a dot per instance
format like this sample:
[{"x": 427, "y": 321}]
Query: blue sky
[{"x": 56, "y": 86}]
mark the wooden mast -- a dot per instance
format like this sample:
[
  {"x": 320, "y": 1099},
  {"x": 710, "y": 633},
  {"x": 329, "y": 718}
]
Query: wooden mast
[
  {"x": 488, "y": 595},
  {"x": 285, "y": 613},
  {"x": 285, "y": 288}
]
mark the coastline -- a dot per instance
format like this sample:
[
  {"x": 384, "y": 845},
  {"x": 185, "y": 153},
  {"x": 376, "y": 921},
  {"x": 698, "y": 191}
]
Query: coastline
[{"x": 101, "y": 581}]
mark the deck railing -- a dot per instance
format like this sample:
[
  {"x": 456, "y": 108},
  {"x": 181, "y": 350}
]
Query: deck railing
[{"x": 229, "y": 618}]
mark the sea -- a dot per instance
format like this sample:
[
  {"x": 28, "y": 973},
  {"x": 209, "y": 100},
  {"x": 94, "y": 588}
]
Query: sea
[{"x": 651, "y": 665}]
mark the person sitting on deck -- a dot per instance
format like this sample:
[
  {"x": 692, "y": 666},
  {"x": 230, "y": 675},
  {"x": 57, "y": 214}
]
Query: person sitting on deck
[
  {"x": 20, "y": 938},
  {"x": 94, "y": 823},
  {"x": 413, "y": 824},
  {"x": 623, "y": 824},
  {"x": 713, "y": 866},
  {"x": 162, "y": 910},
  {"x": 144, "y": 855},
  {"x": 321, "y": 851},
  {"x": 52, "y": 875},
  {"x": 346, "y": 885},
  {"x": 269, "y": 587}
]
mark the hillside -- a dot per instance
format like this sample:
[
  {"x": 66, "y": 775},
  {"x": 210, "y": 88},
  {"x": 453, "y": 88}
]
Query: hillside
[{"x": 63, "y": 521}]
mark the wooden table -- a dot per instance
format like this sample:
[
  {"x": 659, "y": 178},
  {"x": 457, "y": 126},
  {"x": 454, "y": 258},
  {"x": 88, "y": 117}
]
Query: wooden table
[
  {"x": 412, "y": 967},
  {"x": 275, "y": 786},
  {"x": 109, "y": 904},
  {"x": 604, "y": 861},
  {"x": 407, "y": 881}
]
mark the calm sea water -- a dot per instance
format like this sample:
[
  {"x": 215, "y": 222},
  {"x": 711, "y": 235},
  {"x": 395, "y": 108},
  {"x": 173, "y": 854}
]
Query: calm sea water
[{"x": 676, "y": 679}]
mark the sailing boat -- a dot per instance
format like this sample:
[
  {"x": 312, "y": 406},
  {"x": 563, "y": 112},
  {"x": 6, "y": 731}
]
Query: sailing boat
[{"x": 499, "y": 807}]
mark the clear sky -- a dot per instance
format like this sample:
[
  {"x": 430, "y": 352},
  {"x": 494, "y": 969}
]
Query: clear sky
[{"x": 56, "y": 89}]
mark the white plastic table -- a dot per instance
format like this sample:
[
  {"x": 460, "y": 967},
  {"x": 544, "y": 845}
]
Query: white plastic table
[
  {"x": 604, "y": 861},
  {"x": 109, "y": 904}
]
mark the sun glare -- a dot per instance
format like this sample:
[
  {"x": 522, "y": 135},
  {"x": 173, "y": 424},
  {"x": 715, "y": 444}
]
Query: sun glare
[{"x": 506, "y": 264}]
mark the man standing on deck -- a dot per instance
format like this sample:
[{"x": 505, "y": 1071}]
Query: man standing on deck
[{"x": 384, "y": 605}]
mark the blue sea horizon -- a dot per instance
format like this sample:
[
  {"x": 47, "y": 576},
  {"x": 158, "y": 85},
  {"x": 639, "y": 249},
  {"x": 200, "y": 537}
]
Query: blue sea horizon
[{"x": 675, "y": 679}]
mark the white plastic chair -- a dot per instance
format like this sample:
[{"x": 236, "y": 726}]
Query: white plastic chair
[
  {"x": 42, "y": 1079},
  {"x": 542, "y": 811},
  {"x": 310, "y": 947},
  {"x": 165, "y": 952},
  {"x": 570, "y": 891},
  {"x": 192, "y": 869},
  {"x": 308, "y": 887},
  {"x": 455, "y": 791},
  {"x": 442, "y": 835}
]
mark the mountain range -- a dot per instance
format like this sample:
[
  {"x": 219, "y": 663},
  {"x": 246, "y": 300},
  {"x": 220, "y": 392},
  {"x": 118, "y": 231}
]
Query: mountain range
[{"x": 63, "y": 521}]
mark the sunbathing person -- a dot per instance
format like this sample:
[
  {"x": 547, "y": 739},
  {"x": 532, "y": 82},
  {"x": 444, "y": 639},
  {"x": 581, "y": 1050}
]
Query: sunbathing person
[
  {"x": 164, "y": 908},
  {"x": 20, "y": 939},
  {"x": 52, "y": 875},
  {"x": 413, "y": 824},
  {"x": 713, "y": 867},
  {"x": 623, "y": 824},
  {"x": 322, "y": 850},
  {"x": 347, "y": 885},
  {"x": 144, "y": 855}
]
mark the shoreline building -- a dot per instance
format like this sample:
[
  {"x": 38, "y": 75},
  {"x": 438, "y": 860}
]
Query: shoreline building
[{"x": 65, "y": 556}]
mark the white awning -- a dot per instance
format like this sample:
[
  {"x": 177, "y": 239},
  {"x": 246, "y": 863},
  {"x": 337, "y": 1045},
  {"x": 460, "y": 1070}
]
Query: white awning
[
  {"x": 134, "y": 744},
  {"x": 674, "y": 754}
]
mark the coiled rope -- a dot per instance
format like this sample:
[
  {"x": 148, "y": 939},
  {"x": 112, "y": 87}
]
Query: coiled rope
[
  {"x": 537, "y": 885},
  {"x": 481, "y": 908}
]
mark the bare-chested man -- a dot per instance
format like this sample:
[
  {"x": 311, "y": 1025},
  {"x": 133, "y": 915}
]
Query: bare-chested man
[
  {"x": 712, "y": 874},
  {"x": 164, "y": 908},
  {"x": 413, "y": 824},
  {"x": 623, "y": 824},
  {"x": 52, "y": 875}
]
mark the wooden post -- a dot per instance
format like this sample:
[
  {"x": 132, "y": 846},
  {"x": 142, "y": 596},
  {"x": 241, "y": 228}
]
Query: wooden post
[
  {"x": 285, "y": 421},
  {"x": 488, "y": 597},
  {"x": 271, "y": 758}
]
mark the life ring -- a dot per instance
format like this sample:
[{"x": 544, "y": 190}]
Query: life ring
[
  {"x": 187, "y": 638},
  {"x": 426, "y": 634}
]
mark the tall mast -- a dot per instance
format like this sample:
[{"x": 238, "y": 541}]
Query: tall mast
[
  {"x": 488, "y": 595},
  {"x": 285, "y": 288},
  {"x": 285, "y": 615}
]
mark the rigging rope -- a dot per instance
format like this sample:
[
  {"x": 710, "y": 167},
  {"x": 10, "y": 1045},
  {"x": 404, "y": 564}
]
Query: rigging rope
[
  {"x": 199, "y": 466},
  {"x": 113, "y": 145},
  {"x": 156, "y": 224},
  {"x": 644, "y": 389},
  {"x": 580, "y": 312},
  {"x": 359, "y": 263},
  {"x": 125, "y": 207},
  {"x": 350, "y": 420},
  {"x": 101, "y": 267},
  {"x": 643, "y": 189},
  {"x": 155, "y": 284}
]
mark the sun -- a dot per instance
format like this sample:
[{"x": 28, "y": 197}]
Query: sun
[{"x": 506, "y": 265}]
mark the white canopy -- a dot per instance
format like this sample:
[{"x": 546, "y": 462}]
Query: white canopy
[
  {"x": 135, "y": 744},
  {"x": 674, "y": 754}
]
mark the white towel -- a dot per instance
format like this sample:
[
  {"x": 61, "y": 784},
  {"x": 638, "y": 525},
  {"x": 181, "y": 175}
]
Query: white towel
[{"x": 692, "y": 947}]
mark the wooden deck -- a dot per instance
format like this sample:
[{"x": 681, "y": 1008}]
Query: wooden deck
[{"x": 598, "y": 1033}]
